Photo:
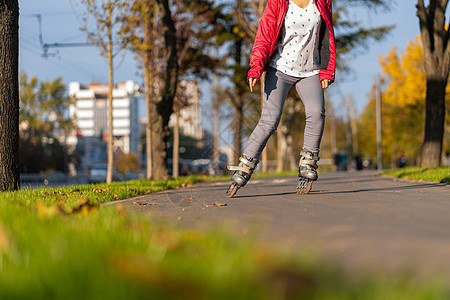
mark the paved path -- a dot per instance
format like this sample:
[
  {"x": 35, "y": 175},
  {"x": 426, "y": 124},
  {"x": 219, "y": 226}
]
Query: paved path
[{"x": 359, "y": 220}]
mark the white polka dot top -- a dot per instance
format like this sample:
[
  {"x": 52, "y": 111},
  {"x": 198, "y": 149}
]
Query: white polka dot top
[{"x": 297, "y": 51}]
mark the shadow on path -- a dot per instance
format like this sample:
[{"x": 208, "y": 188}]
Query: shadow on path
[
  {"x": 407, "y": 187},
  {"x": 265, "y": 195}
]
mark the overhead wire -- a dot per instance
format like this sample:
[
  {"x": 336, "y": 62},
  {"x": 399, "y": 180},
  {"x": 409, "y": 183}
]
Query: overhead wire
[{"x": 32, "y": 45}]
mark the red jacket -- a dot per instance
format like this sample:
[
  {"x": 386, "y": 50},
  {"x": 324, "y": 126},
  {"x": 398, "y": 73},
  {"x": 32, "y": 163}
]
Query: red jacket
[{"x": 269, "y": 29}]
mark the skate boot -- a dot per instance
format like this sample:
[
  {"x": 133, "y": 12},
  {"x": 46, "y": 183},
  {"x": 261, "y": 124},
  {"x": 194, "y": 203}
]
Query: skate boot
[
  {"x": 241, "y": 175},
  {"x": 307, "y": 171}
]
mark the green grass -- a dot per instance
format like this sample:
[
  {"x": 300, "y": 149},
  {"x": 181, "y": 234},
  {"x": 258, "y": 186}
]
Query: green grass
[
  {"x": 50, "y": 248},
  {"x": 96, "y": 193},
  {"x": 441, "y": 174}
]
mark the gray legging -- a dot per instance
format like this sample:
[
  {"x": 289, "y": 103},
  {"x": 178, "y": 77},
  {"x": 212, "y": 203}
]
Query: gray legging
[{"x": 276, "y": 88}]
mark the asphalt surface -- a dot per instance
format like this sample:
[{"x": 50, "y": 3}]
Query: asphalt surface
[{"x": 358, "y": 220}]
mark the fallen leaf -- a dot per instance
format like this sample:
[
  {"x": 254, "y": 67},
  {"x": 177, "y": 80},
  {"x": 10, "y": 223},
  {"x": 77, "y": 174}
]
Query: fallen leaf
[
  {"x": 84, "y": 207},
  {"x": 48, "y": 211},
  {"x": 116, "y": 197},
  {"x": 143, "y": 203},
  {"x": 216, "y": 204}
]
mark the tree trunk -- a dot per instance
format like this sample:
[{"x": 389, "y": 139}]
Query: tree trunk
[
  {"x": 292, "y": 157},
  {"x": 109, "y": 174},
  {"x": 147, "y": 59},
  {"x": 9, "y": 95},
  {"x": 176, "y": 146},
  {"x": 281, "y": 146},
  {"x": 435, "y": 39},
  {"x": 434, "y": 123},
  {"x": 163, "y": 110},
  {"x": 148, "y": 129}
]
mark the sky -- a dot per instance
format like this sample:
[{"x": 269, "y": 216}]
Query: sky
[{"x": 61, "y": 23}]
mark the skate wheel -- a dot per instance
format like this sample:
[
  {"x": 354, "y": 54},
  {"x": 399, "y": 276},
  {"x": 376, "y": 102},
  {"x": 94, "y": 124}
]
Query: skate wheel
[
  {"x": 304, "y": 186},
  {"x": 232, "y": 190}
]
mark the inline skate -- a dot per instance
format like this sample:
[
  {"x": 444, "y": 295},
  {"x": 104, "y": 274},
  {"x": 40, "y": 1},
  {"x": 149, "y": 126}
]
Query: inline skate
[
  {"x": 307, "y": 171},
  {"x": 241, "y": 175}
]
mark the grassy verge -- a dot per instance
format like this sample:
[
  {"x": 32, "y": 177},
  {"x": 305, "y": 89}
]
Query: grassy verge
[
  {"x": 441, "y": 174},
  {"x": 59, "y": 244},
  {"x": 72, "y": 196}
]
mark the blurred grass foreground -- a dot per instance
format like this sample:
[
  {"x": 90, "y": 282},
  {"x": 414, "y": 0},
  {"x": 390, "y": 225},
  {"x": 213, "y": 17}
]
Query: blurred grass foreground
[{"x": 61, "y": 244}]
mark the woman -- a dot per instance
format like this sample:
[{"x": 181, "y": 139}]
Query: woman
[{"x": 295, "y": 45}]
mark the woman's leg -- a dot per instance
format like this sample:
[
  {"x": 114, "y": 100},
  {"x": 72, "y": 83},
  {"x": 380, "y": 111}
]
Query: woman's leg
[
  {"x": 311, "y": 93},
  {"x": 276, "y": 88}
]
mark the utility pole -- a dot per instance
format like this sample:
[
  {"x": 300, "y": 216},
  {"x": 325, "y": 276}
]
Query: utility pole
[
  {"x": 379, "y": 132},
  {"x": 216, "y": 151},
  {"x": 46, "y": 46},
  {"x": 216, "y": 111}
]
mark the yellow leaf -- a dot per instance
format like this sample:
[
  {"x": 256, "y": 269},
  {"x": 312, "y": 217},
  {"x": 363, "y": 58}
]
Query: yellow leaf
[
  {"x": 84, "y": 208},
  {"x": 47, "y": 211}
]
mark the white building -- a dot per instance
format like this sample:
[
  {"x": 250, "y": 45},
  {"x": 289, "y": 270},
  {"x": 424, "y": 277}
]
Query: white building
[
  {"x": 90, "y": 112},
  {"x": 190, "y": 117}
]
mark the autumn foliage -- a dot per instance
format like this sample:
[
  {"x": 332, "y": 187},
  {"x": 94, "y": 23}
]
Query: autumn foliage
[{"x": 403, "y": 107}]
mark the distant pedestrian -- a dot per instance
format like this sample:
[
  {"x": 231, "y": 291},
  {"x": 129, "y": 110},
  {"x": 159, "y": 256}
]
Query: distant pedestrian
[
  {"x": 295, "y": 45},
  {"x": 337, "y": 159},
  {"x": 401, "y": 163},
  {"x": 358, "y": 162}
]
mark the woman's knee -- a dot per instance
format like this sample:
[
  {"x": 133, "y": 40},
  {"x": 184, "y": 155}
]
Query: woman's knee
[
  {"x": 268, "y": 126},
  {"x": 316, "y": 114}
]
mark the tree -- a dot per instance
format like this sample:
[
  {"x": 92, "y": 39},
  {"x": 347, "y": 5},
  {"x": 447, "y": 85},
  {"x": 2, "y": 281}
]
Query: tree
[
  {"x": 139, "y": 32},
  {"x": 236, "y": 38},
  {"x": 248, "y": 14},
  {"x": 9, "y": 95},
  {"x": 107, "y": 17},
  {"x": 163, "y": 109},
  {"x": 43, "y": 126},
  {"x": 436, "y": 47},
  {"x": 403, "y": 106},
  {"x": 195, "y": 23}
]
